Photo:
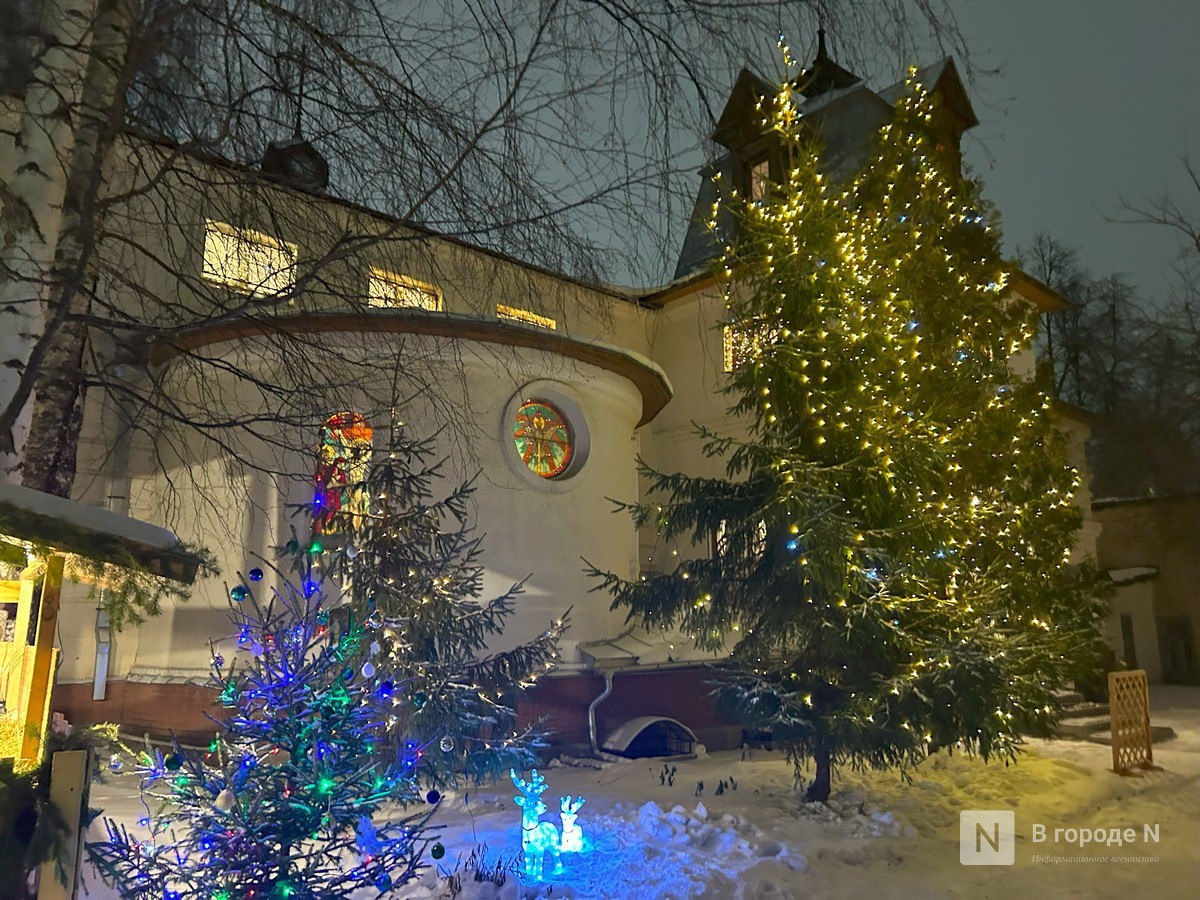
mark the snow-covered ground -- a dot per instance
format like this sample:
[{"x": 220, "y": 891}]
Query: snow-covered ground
[{"x": 878, "y": 836}]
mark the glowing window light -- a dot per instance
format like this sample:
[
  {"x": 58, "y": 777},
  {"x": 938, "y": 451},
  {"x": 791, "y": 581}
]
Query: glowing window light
[
  {"x": 740, "y": 342},
  {"x": 525, "y": 317},
  {"x": 387, "y": 290},
  {"x": 247, "y": 261},
  {"x": 760, "y": 179}
]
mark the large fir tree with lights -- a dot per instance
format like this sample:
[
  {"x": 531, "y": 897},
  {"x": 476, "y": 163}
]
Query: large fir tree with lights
[
  {"x": 291, "y": 798},
  {"x": 893, "y": 531},
  {"x": 412, "y": 561}
]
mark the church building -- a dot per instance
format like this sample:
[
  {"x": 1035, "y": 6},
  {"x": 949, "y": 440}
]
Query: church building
[{"x": 546, "y": 388}]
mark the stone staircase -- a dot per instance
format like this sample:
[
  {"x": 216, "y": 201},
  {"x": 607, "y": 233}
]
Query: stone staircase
[{"x": 1087, "y": 721}]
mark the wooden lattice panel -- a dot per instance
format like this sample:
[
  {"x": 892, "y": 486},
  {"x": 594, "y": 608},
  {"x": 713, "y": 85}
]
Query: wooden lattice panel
[{"x": 1129, "y": 707}]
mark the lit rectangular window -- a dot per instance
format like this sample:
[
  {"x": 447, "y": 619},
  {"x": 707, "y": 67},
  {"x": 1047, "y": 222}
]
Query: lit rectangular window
[
  {"x": 525, "y": 317},
  {"x": 736, "y": 344},
  {"x": 760, "y": 179},
  {"x": 248, "y": 261},
  {"x": 389, "y": 290}
]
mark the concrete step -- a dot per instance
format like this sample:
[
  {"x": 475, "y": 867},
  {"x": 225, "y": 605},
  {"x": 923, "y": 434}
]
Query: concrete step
[
  {"x": 1085, "y": 710},
  {"x": 1068, "y": 698},
  {"x": 1098, "y": 730},
  {"x": 1158, "y": 734},
  {"x": 1083, "y": 728}
]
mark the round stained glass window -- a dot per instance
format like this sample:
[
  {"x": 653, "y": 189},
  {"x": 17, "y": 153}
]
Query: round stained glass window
[{"x": 544, "y": 438}]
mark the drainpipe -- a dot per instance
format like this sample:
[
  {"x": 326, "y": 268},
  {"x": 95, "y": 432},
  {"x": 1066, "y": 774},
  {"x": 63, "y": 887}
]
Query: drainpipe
[
  {"x": 118, "y": 501},
  {"x": 608, "y": 686},
  {"x": 103, "y": 648}
]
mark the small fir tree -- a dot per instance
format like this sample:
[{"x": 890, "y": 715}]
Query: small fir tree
[
  {"x": 291, "y": 799},
  {"x": 892, "y": 533},
  {"x": 412, "y": 560}
]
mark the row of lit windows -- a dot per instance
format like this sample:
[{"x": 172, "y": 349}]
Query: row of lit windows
[{"x": 257, "y": 264}]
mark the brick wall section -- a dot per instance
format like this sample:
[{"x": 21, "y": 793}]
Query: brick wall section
[
  {"x": 681, "y": 694},
  {"x": 139, "y": 708}
]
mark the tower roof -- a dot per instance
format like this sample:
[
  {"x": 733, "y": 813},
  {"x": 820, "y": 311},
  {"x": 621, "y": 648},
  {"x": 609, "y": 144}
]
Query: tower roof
[{"x": 824, "y": 74}]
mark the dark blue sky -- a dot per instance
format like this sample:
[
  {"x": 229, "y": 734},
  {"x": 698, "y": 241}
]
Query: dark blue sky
[{"x": 1095, "y": 102}]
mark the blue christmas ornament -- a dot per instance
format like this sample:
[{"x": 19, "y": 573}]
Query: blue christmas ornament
[
  {"x": 383, "y": 882},
  {"x": 256, "y": 574}
]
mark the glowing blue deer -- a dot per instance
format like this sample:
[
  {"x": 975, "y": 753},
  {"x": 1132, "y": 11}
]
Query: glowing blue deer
[{"x": 537, "y": 838}]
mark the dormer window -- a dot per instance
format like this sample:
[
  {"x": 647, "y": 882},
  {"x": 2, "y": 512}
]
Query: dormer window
[{"x": 760, "y": 178}]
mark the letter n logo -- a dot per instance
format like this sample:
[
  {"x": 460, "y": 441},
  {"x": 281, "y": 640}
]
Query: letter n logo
[{"x": 986, "y": 837}]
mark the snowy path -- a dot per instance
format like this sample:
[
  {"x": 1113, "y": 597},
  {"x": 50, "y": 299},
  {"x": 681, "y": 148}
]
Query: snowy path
[{"x": 879, "y": 837}]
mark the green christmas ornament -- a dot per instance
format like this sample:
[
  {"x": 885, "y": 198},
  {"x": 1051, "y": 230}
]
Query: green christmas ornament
[
  {"x": 419, "y": 699},
  {"x": 437, "y": 851},
  {"x": 292, "y": 547}
]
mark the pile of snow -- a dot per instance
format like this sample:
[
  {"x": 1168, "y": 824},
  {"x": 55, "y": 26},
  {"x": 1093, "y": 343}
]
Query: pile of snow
[{"x": 878, "y": 835}]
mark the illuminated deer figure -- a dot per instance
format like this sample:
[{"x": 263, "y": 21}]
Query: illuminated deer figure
[
  {"x": 572, "y": 834},
  {"x": 537, "y": 838}
]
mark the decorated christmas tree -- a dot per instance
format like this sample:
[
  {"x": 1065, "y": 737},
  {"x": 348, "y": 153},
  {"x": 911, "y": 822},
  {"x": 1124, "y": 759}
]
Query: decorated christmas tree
[
  {"x": 291, "y": 799},
  {"x": 892, "y": 534},
  {"x": 410, "y": 558}
]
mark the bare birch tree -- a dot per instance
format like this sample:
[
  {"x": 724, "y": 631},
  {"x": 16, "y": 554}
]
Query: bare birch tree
[{"x": 557, "y": 132}]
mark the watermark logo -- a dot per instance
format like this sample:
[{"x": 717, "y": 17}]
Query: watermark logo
[{"x": 987, "y": 837}]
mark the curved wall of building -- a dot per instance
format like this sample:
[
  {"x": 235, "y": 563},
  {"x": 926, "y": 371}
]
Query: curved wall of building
[{"x": 466, "y": 393}]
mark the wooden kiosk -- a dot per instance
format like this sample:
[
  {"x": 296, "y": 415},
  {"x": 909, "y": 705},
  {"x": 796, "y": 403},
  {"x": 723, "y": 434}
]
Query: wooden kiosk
[{"x": 41, "y": 536}]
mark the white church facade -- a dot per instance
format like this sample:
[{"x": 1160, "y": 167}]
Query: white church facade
[{"x": 550, "y": 389}]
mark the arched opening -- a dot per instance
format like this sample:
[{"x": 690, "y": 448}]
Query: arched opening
[{"x": 651, "y": 736}]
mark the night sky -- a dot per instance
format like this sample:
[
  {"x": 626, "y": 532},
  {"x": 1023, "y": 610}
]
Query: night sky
[{"x": 1095, "y": 102}]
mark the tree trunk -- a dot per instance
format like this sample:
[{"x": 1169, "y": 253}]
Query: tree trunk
[
  {"x": 58, "y": 383},
  {"x": 819, "y": 789},
  {"x": 53, "y": 440},
  {"x": 31, "y": 202}
]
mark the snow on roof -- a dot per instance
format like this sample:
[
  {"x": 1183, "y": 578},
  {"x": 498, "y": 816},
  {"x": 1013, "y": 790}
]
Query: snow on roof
[
  {"x": 1132, "y": 574},
  {"x": 643, "y": 648},
  {"x": 926, "y": 76},
  {"x": 89, "y": 530}
]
